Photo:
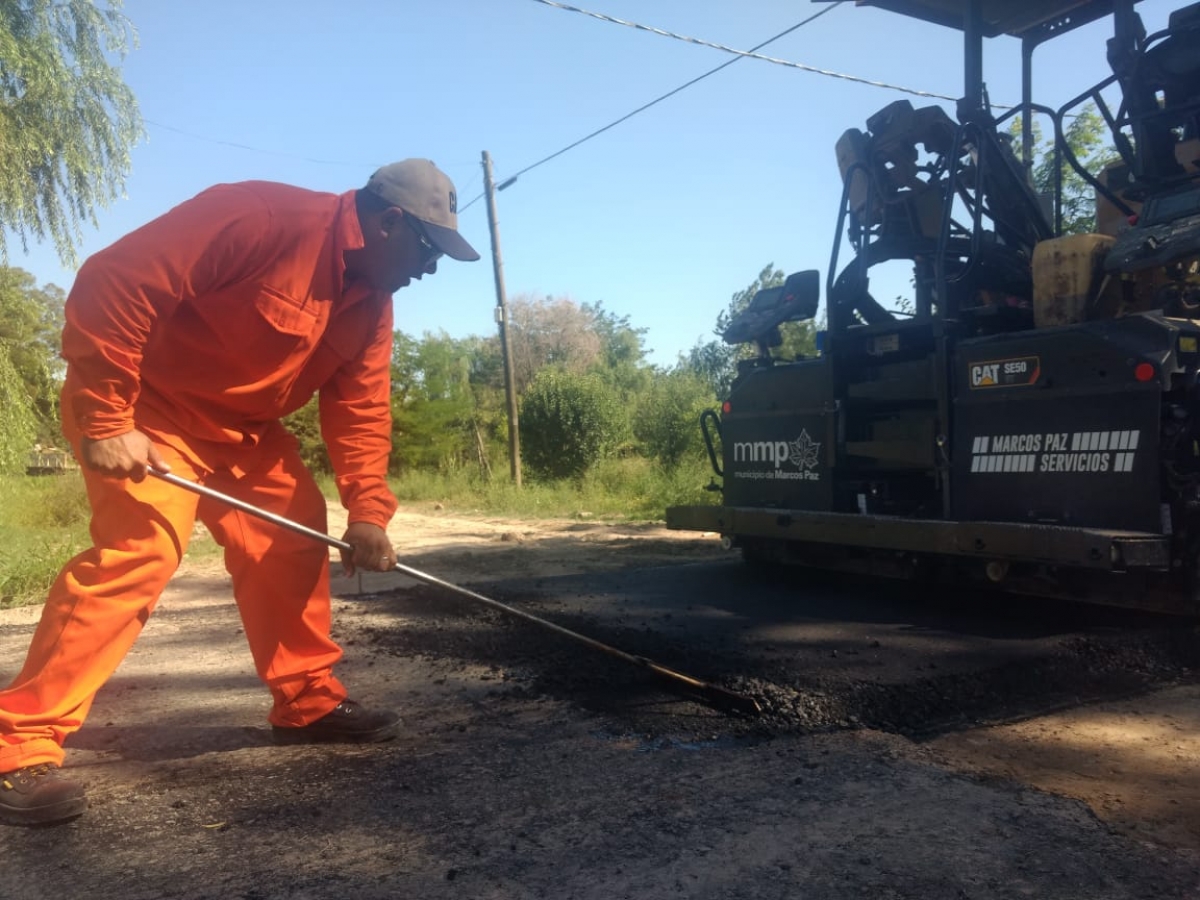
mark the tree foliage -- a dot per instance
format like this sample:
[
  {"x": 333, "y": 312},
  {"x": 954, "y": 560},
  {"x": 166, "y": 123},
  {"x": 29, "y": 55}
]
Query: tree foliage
[
  {"x": 569, "y": 422},
  {"x": 550, "y": 331},
  {"x": 432, "y": 403},
  {"x": 67, "y": 119},
  {"x": 31, "y": 319},
  {"x": 666, "y": 421},
  {"x": 589, "y": 394},
  {"x": 305, "y": 424},
  {"x": 1088, "y": 137},
  {"x": 622, "y": 346},
  {"x": 713, "y": 362},
  {"x": 17, "y": 423}
]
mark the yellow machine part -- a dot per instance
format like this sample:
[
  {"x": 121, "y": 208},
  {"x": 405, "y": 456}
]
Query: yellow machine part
[{"x": 1068, "y": 279}]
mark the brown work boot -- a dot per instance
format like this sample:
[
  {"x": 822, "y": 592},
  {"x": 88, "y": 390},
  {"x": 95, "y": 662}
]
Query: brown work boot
[
  {"x": 39, "y": 795},
  {"x": 347, "y": 723}
]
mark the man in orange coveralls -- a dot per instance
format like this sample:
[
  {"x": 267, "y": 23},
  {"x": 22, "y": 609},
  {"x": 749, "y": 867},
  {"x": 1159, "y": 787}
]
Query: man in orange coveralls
[{"x": 186, "y": 342}]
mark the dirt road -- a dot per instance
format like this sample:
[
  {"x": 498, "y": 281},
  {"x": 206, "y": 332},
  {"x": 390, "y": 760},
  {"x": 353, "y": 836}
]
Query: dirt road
[{"x": 499, "y": 790}]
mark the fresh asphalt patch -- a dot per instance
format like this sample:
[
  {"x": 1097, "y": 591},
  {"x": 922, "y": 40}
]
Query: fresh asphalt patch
[{"x": 817, "y": 651}]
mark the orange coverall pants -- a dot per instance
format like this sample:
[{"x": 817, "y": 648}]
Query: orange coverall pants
[{"x": 102, "y": 598}]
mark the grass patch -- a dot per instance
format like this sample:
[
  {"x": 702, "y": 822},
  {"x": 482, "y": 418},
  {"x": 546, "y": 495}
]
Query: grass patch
[
  {"x": 202, "y": 545},
  {"x": 624, "y": 490},
  {"x": 43, "y": 523}
]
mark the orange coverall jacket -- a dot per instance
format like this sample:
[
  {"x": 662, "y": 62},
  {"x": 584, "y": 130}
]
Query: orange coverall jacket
[
  {"x": 202, "y": 329},
  {"x": 228, "y": 313}
]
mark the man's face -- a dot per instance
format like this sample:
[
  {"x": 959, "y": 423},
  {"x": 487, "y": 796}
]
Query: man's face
[{"x": 398, "y": 252}]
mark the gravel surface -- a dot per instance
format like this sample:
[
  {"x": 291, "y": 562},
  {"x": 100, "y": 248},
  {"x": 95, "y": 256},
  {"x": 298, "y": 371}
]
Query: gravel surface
[{"x": 906, "y": 750}]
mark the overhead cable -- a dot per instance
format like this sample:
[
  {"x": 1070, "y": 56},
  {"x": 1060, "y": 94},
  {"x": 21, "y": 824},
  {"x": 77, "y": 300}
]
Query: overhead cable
[
  {"x": 750, "y": 54},
  {"x": 737, "y": 56},
  {"x": 508, "y": 181},
  {"x": 224, "y": 143}
]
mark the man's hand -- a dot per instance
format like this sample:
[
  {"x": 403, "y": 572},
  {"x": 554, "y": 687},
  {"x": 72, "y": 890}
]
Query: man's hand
[
  {"x": 372, "y": 550},
  {"x": 124, "y": 456}
]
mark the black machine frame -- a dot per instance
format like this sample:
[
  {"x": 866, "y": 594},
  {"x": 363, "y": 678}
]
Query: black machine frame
[{"x": 907, "y": 438}]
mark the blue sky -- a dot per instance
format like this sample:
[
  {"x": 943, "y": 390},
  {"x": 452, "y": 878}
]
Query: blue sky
[{"x": 660, "y": 219}]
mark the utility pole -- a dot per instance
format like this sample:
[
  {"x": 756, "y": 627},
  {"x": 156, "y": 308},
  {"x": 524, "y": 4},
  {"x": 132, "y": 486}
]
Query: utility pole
[{"x": 514, "y": 432}]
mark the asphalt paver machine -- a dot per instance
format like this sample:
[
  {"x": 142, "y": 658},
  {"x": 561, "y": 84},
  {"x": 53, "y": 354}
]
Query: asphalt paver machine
[{"x": 1033, "y": 419}]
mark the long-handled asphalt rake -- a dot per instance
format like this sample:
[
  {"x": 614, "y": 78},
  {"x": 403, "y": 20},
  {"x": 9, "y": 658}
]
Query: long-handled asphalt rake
[{"x": 718, "y": 697}]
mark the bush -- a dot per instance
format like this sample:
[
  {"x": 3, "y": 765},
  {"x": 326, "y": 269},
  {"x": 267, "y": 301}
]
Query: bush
[
  {"x": 568, "y": 423},
  {"x": 667, "y": 420},
  {"x": 639, "y": 489}
]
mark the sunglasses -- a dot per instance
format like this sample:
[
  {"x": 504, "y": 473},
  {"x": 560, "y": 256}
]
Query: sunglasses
[{"x": 429, "y": 253}]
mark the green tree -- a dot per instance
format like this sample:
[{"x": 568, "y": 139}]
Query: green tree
[
  {"x": 305, "y": 424},
  {"x": 447, "y": 406},
  {"x": 31, "y": 320},
  {"x": 432, "y": 403},
  {"x": 67, "y": 119},
  {"x": 489, "y": 418},
  {"x": 666, "y": 421},
  {"x": 17, "y": 423},
  {"x": 622, "y": 351},
  {"x": 1087, "y": 135},
  {"x": 713, "y": 362},
  {"x": 569, "y": 422},
  {"x": 550, "y": 331}
]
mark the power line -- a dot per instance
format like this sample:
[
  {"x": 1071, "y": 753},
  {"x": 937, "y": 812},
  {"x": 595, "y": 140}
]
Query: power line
[
  {"x": 750, "y": 53},
  {"x": 361, "y": 166},
  {"x": 737, "y": 54},
  {"x": 646, "y": 106},
  {"x": 224, "y": 143}
]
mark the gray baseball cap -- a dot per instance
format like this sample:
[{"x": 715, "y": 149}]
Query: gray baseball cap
[{"x": 423, "y": 191}]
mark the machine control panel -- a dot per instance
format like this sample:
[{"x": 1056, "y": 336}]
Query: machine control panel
[{"x": 1167, "y": 229}]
